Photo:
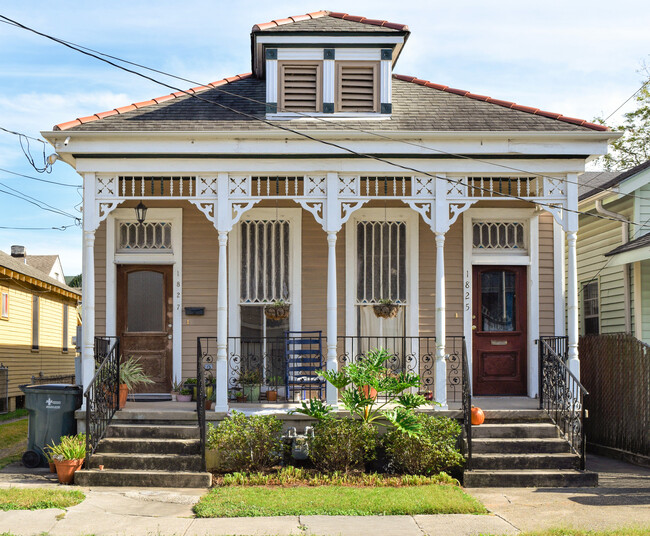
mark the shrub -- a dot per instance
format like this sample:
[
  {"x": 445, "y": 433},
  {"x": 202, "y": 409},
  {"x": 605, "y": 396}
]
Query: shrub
[
  {"x": 434, "y": 450},
  {"x": 342, "y": 444},
  {"x": 246, "y": 443}
]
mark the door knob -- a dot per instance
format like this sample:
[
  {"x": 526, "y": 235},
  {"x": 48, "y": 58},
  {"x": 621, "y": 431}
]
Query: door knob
[
  {"x": 473, "y": 328},
  {"x": 169, "y": 337}
]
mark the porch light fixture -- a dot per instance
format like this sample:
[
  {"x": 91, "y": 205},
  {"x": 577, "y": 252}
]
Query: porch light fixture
[{"x": 140, "y": 212}]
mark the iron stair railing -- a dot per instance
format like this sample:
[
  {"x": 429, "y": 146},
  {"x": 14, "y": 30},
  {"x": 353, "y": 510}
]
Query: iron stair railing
[
  {"x": 103, "y": 392},
  {"x": 467, "y": 405},
  {"x": 561, "y": 395}
]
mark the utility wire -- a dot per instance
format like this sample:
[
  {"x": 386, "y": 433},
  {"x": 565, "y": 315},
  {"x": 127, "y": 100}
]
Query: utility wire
[
  {"x": 293, "y": 131},
  {"x": 21, "y": 134},
  {"x": 38, "y": 179},
  {"x": 55, "y": 211},
  {"x": 628, "y": 99},
  {"x": 61, "y": 211},
  {"x": 61, "y": 228}
]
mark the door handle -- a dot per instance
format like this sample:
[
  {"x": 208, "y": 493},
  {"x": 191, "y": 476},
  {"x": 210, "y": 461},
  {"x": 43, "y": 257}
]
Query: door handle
[
  {"x": 473, "y": 328},
  {"x": 169, "y": 337}
]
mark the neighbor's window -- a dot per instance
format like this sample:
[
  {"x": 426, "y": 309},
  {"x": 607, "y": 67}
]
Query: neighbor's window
[
  {"x": 4, "y": 304},
  {"x": 35, "y": 315},
  {"x": 590, "y": 308},
  {"x": 65, "y": 328},
  {"x": 300, "y": 86},
  {"x": 357, "y": 86}
]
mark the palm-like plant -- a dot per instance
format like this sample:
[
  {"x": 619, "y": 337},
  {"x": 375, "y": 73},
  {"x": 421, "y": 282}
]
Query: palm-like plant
[{"x": 132, "y": 373}]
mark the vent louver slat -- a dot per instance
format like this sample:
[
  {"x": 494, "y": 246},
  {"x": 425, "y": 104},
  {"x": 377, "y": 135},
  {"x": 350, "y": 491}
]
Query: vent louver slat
[
  {"x": 357, "y": 88},
  {"x": 300, "y": 88}
]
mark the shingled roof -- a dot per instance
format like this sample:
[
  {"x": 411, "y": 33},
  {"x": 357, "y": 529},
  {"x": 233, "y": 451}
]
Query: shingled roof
[
  {"x": 238, "y": 103},
  {"x": 18, "y": 266},
  {"x": 594, "y": 182},
  {"x": 329, "y": 21}
]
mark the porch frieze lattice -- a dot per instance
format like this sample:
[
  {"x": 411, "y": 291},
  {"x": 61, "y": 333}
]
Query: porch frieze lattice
[{"x": 332, "y": 197}]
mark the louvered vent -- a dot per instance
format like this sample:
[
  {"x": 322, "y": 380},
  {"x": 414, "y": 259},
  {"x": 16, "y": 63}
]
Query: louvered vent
[
  {"x": 300, "y": 87},
  {"x": 357, "y": 87}
]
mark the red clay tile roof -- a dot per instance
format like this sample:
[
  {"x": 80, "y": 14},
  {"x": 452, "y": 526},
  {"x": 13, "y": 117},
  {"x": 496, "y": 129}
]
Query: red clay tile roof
[
  {"x": 505, "y": 104},
  {"x": 157, "y": 100},
  {"x": 317, "y": 14}
]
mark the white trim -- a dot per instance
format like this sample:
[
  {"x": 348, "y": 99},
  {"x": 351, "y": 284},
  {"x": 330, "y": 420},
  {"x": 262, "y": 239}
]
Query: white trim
[
  {"x": 294, "y": 217},
  {"x": 385, "y": 82},
  {"x": 638, "y": 310},
  {"x": 307, "y": 39},
  {"x": 173, "y": 257},
  {"x": 300, "y": 54},
  {"x": 471, "y": 258},
  {"x": 271, "y": 81},
  {"x": 412, "y": 258},
  {"x": 329, "y": 81},
  {"x": 559, "y": 279}
]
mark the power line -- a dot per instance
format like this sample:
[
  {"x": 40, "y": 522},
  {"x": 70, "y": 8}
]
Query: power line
[
  {"x": 37, "y": 204},
  {"x": 61, "y": 228},
  {"x": 24, "y": 195},
  {"x": 628, "y": 99},
  {"x": 288, "y": 129},
  {"x": 38, "y": 179},
  {"x": 21, "y": 134}
]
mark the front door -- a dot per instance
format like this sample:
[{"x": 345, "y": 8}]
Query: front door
[
  {"x": 499, "y": 330},
  {"x": 144, "y": 321}
]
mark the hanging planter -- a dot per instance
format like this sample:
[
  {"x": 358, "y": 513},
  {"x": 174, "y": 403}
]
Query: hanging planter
[
  {"x": 278, "y": 310},
  {"x": 386, "y": 309}
]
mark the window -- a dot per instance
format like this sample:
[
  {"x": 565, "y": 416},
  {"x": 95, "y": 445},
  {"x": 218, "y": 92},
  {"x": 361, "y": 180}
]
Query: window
[
  {"x": 64, "y": 346},
  {"x": 498, "y": 235},
  {"x": 300, "y": 87},
  {"x": 357, "y": 87},
  {"x": 35, "y": 315},
  {"x": 590, "y": 308},
  {"x": 145, "y": 301},
  {"x": 135, "y": 236},
  {"x": 4, "y": 304}
]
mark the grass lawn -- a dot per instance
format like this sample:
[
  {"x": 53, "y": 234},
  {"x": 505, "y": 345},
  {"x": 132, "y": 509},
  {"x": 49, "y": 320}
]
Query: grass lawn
[
  {"x": 38, "y": 498},
  {"x": 17, "y": 414},
  {"x": 13, "y": 441},
  {"x": 629, "y": 531},
  {"x": 254, "y": 501}
]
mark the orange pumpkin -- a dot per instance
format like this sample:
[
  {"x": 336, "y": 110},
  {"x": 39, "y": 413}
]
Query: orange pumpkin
[{"x": 477, "y": 416}]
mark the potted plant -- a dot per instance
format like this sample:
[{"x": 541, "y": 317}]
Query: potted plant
[
  {"x": 184, "y": 395},
  {"x": 47, "y": 451},
  {"x": 250, "y": 381},
  {"x": 278, "y": 310},
  {"x": 131, "y": 375},
  {"x": 386, "y": 309},
  {"x": 176, "y": 388},
  {"x": 190, "y": 384},
  {"x": 68, "y": 456},
  {"x": 275, "y": 384}
]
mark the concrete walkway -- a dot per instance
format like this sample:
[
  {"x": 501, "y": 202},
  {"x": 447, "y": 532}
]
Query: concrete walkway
[{"x": 623, "y": 499}]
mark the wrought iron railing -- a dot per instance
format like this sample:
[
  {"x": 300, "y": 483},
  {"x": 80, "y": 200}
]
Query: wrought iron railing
[
  {"x": 203, "y": 353},
  {"x": 562, "y": 395},
  {"x": 467, "y": 403},
  {"x": 416, "y": 355},
  {"x": 103, "y": 392},
  {"x": 454, "y": 349}
]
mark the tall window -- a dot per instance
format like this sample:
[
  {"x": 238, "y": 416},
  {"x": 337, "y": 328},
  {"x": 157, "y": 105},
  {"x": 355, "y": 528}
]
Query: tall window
[
  {"x": 590, "y": 308},
  {"x": 64, "y": 345},
  {"x": 35, "y": 316},
  {"x": 4, "y": 304}
]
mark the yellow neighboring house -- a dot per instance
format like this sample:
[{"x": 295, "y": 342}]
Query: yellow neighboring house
[{"x": 38, "y": 320}]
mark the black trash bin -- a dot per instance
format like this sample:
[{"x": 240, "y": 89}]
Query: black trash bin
[{"x": 51, "y": 415}]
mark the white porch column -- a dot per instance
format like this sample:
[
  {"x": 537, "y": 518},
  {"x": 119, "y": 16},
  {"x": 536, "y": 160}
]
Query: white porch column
[
  {"x": 332, "y": 362},
  {"x": 572, "y": 304},
  {"x": 441, "y": 333},
  {"x": 221, "y": 372},
  {"x": 88, "y": 308}
]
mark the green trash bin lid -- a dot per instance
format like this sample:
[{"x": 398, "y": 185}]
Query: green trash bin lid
[{"x": 50, "y": 387}]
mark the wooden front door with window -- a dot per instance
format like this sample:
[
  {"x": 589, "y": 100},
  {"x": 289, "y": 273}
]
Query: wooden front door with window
[
  {"x": 144, "y": 321},
  {"x": 499, "y": 330}
]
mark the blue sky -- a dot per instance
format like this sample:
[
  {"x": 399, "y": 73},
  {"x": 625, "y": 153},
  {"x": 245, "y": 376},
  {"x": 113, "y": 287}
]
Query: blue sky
[{"x": 579, "y": 58}]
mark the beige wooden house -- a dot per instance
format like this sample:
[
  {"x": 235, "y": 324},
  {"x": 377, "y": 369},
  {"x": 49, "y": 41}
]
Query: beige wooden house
[
  {"x": 38, "y": 319},
  {"x": 325, "y": 180}
]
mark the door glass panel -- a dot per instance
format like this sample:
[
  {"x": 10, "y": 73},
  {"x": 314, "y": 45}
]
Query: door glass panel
[
  {"x": 498, "y": 301},
  {"x": 145, "y": 303}
]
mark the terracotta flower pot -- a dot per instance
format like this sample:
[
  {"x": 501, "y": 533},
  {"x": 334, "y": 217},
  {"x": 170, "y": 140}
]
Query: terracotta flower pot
[
  {"x": 65, "y": 470},
  {"x": 477, "y": 416},
  {"x": 184, "y": 398},
  {"x": 52, "y": 467},
  {"x": 272, "y": 395},
  {"x": 369, "y": 392},
  {"x": 124, "y": 391}
]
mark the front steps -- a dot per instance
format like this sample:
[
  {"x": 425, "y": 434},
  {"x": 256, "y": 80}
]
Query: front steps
[
  {"x": 522, "y": 448},
  {"x": 147, "y": 454}
]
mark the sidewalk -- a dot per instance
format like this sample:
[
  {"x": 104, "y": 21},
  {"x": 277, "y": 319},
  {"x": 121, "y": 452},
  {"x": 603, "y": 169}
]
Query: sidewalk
[{"x": 622, "y": 499}]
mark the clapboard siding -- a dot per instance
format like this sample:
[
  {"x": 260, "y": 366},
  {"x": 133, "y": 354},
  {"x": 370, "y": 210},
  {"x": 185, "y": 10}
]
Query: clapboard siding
[
  {"x": 645, "y": 301},
  {"x": 546, "y": 276},
  {"x": 100, "y": 279},
  {"x": 597, "y": 236},
  {"x": 16, "y": 335}
]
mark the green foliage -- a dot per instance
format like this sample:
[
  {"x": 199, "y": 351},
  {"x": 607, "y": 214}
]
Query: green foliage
[
  {"x": 75, "y": 281},
  {"x": 17, "y": 414},
  {"x": 246, "y": 443},
  {"x": 38, "y": 499},
  {"x": 633, "y": 148},
  {"x": 315, "y": 408},
  {"x": 250, "y": 377},
  {"x": 132, "y": 373},
  {"x": 68, "y": 448},
  {"x": 434, "y": 450},
  {"x": 342, "y": 444},
  {"x": 367, "y": 381}
]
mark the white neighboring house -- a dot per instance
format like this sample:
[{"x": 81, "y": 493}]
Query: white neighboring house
[{"x": 327, "y": 181}]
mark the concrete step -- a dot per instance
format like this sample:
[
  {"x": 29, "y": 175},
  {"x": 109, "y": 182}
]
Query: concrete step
[
  {"x": 185, "y": 431},
  {"x": 509, "y": 416},
  {"x": 147, "y": 462},
  {"x": 135, "y": 478},
  {"x": 185, "y": 447},
  {"x": 519, "y": 445},
  {"x": 529, "y": 478},
  {"x": 524, "y": 461},
  {"x": 513, "y": 430}
]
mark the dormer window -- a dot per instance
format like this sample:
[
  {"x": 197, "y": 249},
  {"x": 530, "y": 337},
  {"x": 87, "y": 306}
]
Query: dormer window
[
  {"x": 300, "y": 86},
  {"x": 357, "y": 87}
]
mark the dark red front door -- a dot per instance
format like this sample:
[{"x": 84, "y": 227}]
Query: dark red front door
[{"x": 499, "y": 330}]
